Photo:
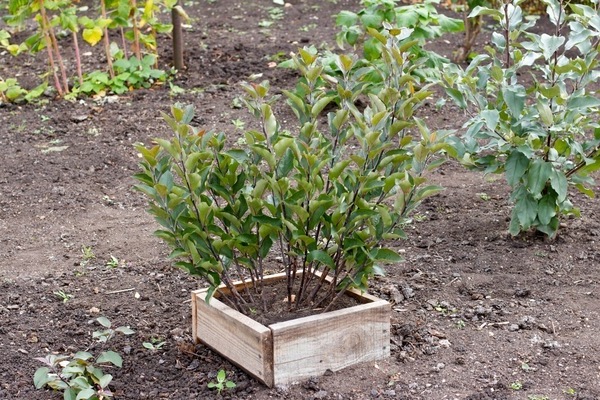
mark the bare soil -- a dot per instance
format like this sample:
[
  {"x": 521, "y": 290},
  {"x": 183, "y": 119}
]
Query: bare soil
[{"x": 476, "y": 314}]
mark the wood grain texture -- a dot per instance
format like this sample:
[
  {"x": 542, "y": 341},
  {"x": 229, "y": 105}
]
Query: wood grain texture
[
  {"x": 291, "y": 351},
  {"x": 238, "y": 338},
  {"x": 310, "y": 346}
]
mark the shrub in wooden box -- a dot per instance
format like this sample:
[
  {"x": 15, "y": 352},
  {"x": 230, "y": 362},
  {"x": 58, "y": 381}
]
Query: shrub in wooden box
[{"x": 286, "y": 352}]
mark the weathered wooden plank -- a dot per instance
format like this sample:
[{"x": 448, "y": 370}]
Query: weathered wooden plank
[
  {"x": 290, "y": 351},
  {"x": 237, "y": 337},
  {"x": 311, "y": 345}
]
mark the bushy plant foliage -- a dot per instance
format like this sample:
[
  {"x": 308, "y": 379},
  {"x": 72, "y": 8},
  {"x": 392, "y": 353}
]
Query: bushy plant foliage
[
  {"x": 423, "y": 18},
  {"x": 534, "y": 110},
  {"x": 327, "y": 195},
  {"x": 81, "y": 376}
]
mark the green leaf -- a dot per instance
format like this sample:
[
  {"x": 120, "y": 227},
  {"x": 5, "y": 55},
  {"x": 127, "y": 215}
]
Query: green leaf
[
  {"x": 86, "y": 394},
  {"x": 346, "y": 18},
  {"x": 491, "y": 118},
  {"x": 550, "y": 44},
  {"x": 322, "y": 257},
  {"x": 546, "y": 209},
  {"x": 537, "y": 176},
  {"x": 386, "y": 255},
  {"x": 457, "y": 96},
  {"x": 514, "y": 96},
  {"x": 110, "y": 357},
  {"x": 40, "y": 378},
  {"x": 578, "y": 102},
  {"x": 125, "y": 330},
  {"x": 104, "y": 322},
  {"x": 105, "y": 380},
  {"x": 515, "y": 167},
  {"x": 526, "y": 209},
  {"x": 221, "y": 375},
  {"x": 286, "y": 163},
  {"x": 559, "y": 183}
]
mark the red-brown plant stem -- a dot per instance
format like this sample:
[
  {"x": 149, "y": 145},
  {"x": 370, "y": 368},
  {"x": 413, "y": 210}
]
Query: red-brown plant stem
[
  {"x": 48, "y": 41},
  {"x": 61, "y": 65},
  {"x": 136, "y": 31},
  {"x": 77, "y": 58},
  {"x": 124, "y": 42},
  {"x": 106, "y": 40}
]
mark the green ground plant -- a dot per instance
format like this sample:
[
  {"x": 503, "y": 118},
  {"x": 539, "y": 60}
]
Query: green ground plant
[
  {"x": 423, "y": 18},
  {"x": 81, "y": 376},
  {"x": 221, "y": 383},
  {"x": 326, "y": 195},
  {"x": 533, "y": 110},
  {"x": 137, "y": 24}
]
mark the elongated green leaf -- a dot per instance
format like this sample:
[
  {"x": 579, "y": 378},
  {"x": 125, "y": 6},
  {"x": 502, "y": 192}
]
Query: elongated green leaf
[
  {"x": 514, "y": 96},
  {"x": 386, "y": 255},
  {"x": 546, "y": 209},
  {"x": 86, "y": 394},
  {"x": 40, "y": 378},
  {"x": 104, "y": 322},
  {"x": 538, "y": 176},
  {"x": 559, "y": 183},
  {"x": 105, "y": 380},
  {"x": 526, "y": 209},
  {"x": 110, "y": 357},
  {"x": 515, "y": 167},
  {"x": 322, "y": 257}
]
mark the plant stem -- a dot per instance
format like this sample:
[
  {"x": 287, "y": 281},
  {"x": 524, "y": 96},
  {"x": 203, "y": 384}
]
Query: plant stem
[
  {"x": 48, "y": 40},
  {"x": 61, "y": 65},
  {"x": 507, "y": 34},
  {"x": 77, "y": 58},
  {"x": 106, "y": 41},
  {"x": 124, "y": 44},
  {"x": 136, "y": 31}
]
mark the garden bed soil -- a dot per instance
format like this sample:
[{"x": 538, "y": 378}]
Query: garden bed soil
[{"x": 476, "y": 314}]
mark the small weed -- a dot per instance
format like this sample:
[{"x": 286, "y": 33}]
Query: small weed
[
  {"x": 62, "y": 295},
  {"x": 265, "y": 23},
  {"x": 113, "y": 262},
  {"x": 222, "y": 382},
  {"x": 80, "y": 376},
  {"x": 238, "y": 123},
  {"x": 525, "y": 367},
  {"x": 308, "y": 28},
  {"x": 154, "y": 344},
  {"x": 460, "y": 324},
  {"x": 541, "y": 254},
  {"x": 108, "y": 201},
  {"x": 236, "y": 103},
  {"x": 420, "y": 217},
  {"x": 87, "y": 255},
  {"x": 175, "y": 90},
  {"x": 280, "y": 56},
  {"x": 538, "y": 397},
  {"x": 276, "y": 13},
  {"x": 570, "y": 392},
  {"x": 484, "y": 196},
  {"x": 516, "y": 385}
]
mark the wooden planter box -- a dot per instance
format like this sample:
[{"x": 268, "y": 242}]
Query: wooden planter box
[{"x": 286, "y": 352}]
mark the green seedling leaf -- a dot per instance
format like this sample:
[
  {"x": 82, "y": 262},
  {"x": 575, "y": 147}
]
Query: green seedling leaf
[
  {"x": 104, "y": 322},
  {"x": 110, "y": 357},
  {"x": 41, "y": 377}
]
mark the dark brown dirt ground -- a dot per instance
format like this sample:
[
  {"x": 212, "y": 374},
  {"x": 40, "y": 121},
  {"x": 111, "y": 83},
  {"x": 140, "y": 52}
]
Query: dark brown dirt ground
[{"x": 476, "y": 313}]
